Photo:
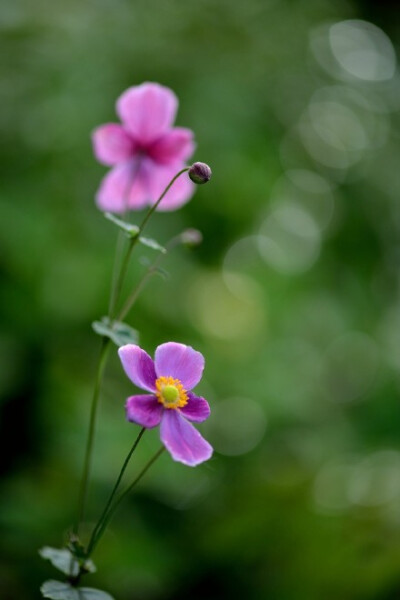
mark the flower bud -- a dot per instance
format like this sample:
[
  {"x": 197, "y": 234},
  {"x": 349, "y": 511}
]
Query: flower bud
[
  {"x": 200, "y": 173},
  {"x": 191, "y": 237}
]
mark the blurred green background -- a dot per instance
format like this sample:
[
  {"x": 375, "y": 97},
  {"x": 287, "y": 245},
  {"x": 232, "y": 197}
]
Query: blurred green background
[{"x": 293, "y": 297}]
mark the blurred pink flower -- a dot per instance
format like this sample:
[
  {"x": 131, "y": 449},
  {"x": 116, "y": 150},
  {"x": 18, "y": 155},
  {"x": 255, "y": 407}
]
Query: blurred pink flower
[{"x": 145, "y": 152}]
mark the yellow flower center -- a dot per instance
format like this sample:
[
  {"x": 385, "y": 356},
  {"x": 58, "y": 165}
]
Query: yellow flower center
[{"x": 170, "y": 392}]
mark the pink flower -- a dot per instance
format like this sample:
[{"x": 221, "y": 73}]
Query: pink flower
[
  {"x": 145, "y": 152},
  {"x": 176, "y": 370}
]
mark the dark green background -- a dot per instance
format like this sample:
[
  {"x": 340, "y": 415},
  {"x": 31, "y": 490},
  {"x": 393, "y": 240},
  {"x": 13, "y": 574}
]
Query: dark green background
[{"x": 293, "y": 298}]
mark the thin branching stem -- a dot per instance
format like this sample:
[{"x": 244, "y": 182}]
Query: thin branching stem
[
  {"x": 151, "y": 269},
  {"x": 134, "y": 240},
  {"x": 117, "y": 483},
  {"x": 116, "y": 289},
  {"x": 93, "y": 543}
]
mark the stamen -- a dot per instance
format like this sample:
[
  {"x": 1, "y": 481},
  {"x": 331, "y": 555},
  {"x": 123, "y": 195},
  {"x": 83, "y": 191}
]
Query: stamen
[{"x": 170, "y": 392}]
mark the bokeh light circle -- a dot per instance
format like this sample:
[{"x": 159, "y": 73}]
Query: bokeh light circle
[
  {"x": 289, "y": 239},
  {"x": 237, "y": 426}
]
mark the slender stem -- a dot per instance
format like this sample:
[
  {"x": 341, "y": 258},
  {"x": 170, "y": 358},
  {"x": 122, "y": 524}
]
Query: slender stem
[
  {"x": 130, "y": 301},
  {"x": 90, "y": 438},
  {"x": 135, "y": 294},
  {"x": 153, "y": 208},
  {"x": 120, "y": 245},
  {"x": 122, "y": 273},
  {"x": 117, "y": 283},
  {"x": 116, "y": 486},
  {"x": 134, "y": 241},
  {"x": 117, "y": 259},
  {"x": 118, "y": 501},
  {"x": 99, "y": 375}
]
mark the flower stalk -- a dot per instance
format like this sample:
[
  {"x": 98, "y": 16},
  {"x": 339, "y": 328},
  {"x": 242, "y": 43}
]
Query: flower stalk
[
  {"x": 91, "y": 433},
  {"x": 101, "y": 526},
  {"x": 115, "y": 295},
  {"x": 152, "y": 268},
  {"x": 134, "y": 240},
  {"x": 117, "y": 483},
  {"x": 147, "y": 155}
]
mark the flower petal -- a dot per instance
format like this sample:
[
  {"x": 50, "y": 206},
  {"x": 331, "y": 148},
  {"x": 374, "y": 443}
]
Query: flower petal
[
  {"x": 139, "y": 193},
  {"x": 197, "y": 409},
  {"x": 125, "y": 186},
  {"x": 144, "y": 410},
  {"x": 180, "y": 362},
  {"x": 177, "y": 145},
  {"x": 182, "y": 440},
  {"x": 112, "y": 144},
  {"x": 138, "y": 366},
  {"x": 179, "y": 193},
  {"x": 147, "y": 110}
]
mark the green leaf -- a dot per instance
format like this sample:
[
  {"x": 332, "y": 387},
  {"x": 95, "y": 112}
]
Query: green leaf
[
  {"x": 59, "y": 590},
  {"x": 63, "y": 560},
  {"x": 120, "y": 333},
  {"x": 93, "y": 594},
  {"x": 129, "y": 229},
  {"x": 150, "y": 243}
]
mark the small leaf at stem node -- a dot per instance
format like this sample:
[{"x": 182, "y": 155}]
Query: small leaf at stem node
[
  {"x": 60, "y": 590},
  {"x": 150, "y": 243},
  {"x": 120, "y": 333},
  {"x": 128, "y": 228},
  {"x": 63, "y": 560}
]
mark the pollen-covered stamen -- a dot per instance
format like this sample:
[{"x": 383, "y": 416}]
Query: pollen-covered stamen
[{"x": 170, "y": 392}]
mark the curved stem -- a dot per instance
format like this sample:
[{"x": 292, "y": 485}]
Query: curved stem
[
  {"x": 130, "y": 301},
  {"x": 118, "y": 501},
  {"x": 115, "y": 488},
  {"x": 99, "y": 376},
  {"x": 134, "y": 241},
  {"x": 115, "y": 293},
  {"x": 90, "y": 438},
  {"x": 153, "y": 208}
]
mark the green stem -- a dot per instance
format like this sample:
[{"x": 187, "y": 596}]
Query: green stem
[
  {"x": 120, "y": 245},
  {"x": 130, "y": 301},
  {"x": 134, "y": 240},
  {"x": 134, "y": 294},
  {"x": 122, "y": 273},
  {"x": 117, "y": 284},
  {"x": 118, "y": 253},
  {"x": 99, "y": 376},
  {"x": 154, "y": 207},
  {"x": 118, "y": 501},
  {"x": 116, "y": 486},
  {"x": 90, "y": 439}
]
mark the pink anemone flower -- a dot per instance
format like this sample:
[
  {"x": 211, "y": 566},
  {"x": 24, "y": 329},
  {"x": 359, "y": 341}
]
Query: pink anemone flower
[
  {"x": 175, "y": 371},
  {"x": 145, "y": 152}
]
